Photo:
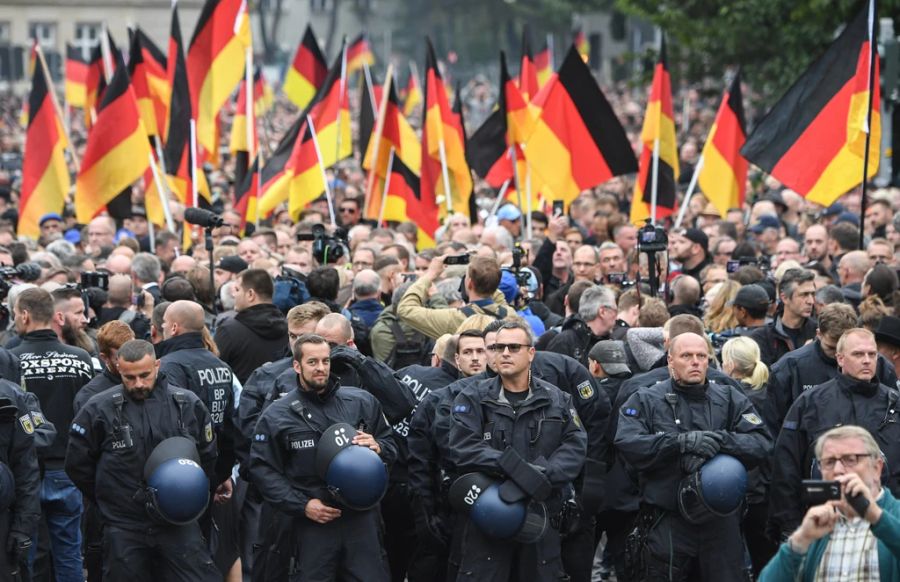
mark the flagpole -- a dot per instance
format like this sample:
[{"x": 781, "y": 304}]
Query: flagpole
[
  {"x": 367, "y": 73},
  {"x": 161, "y": 192},
  {"x": 690, "y": 192},
  {"x": 654, "y": 180},
  {"x": 52, "y": 91},
  {"x": 387, "y": 185},
  {"x": 379, "y": 128},
  {"x": 500, "y": 197},
  {"x": 315, "y": 140},
  {"x": 105, "y": 51},
  {"x": 250, "y": 105},
  {"x": 446, "y": 175},
  {"x": 873, "y": 12},
  {"x": 528, "y": 199}
]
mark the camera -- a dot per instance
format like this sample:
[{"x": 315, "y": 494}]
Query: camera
[
  {"x": 326, "y": 248},
  {"x": 95, "y": 279},
  {"x": 652, "y": 239},
  {"x": 618, "y": 279},
  {"x": 457, "y": 260},
  {"x": 735, "y": 264}
]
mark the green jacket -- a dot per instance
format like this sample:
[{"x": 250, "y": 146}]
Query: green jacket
[
  {"x": 788, "y": 566},
  {"x": 436, "y": 322}
]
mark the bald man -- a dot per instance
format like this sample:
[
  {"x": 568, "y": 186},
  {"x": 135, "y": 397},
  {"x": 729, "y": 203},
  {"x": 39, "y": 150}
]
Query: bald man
[
  {"x": 667, "y": 432},
  {"x": 118, "y": 264},
  {"x": 118, "y": 299},
  {"x": 101, "y": 235},
  {"x": 188, "y": 360}
]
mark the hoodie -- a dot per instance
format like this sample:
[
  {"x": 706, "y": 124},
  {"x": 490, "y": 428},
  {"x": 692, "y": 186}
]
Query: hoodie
[{"x": 255, "y": 336}]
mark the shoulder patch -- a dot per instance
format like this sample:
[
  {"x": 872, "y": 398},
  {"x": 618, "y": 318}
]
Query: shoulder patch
[
  {"x": 575, "y": 418},
  {"x": 585, "y": 390},
  {"x": 78, "y": 429},
  {"x": 26, "y": 423},
  {"x": 460, "y": 408},
  {"x": 630, "y": 411},
  {"x": 38, "y": 419},
  {"x": 208, "y": 432},
  {"x": 752, "y": 418},
  {"x": 790, "y": 425},
  {"x": 260, "y": 438}
]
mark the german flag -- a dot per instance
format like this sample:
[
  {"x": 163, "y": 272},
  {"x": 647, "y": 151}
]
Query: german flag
[
  {"x": 579, "y": 39},
  {"x": 244, "y": 142},
  {"x": 412, "y": 94},
  {"x": 658, "y": 130},
  {"x": 370, "y": 94},
  {"x": 488, "y": 151},
  {"x": 32, "y": 59},
  {"x": 117, "y": 149},
  {"x": 274, "y": 179},
  {"x": 813, "y": 139},
  {"x": 528, "y": 80},
  {"x": 179, "y": 161},
  {"x": 76, "y": 76},
  {"x": 147, "y": 67},
  {"x": 246, "y": 195},
  {"x": 359, "y": 53},
  {"x": 263, "y": 95},
  {"x": 442, "y": 137},
  {"x": 95, "y": 80},
  {"x": 403, "y": 203},
  {"x": 396, "y": 135},
  {"x": 45, "y": 176},
  {"x": 330, "y": 120},
  {"x": 307, "y": 72},
  {"x": 577, "y": 142},
  {"x": 723, "y": 177},
  {"x": 543, "y": 64},
  {"x": 215, "y": 64}
]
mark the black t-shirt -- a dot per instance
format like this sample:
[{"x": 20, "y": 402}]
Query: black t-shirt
[
  {"x": 794, "y": 334},
  {"x": 515, "y": 398}
]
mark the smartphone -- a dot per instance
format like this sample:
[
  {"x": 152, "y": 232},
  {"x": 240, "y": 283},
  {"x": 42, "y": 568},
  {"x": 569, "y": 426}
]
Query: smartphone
[
  {"x": 817, "y": 492},
  {"x": 457, "y": 260},
  {"x": 559, "y": 207}
]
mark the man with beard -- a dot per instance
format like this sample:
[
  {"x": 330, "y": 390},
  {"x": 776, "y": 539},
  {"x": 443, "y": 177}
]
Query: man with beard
[
  {"x": 331, "y": 538},
  {"x": 71, "y": 320},
  {"x": 54, "y": 372},
  {"x": 110, "y": 442}
]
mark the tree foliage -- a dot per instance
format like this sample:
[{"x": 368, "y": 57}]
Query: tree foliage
[{"x": 774, "y": 40}]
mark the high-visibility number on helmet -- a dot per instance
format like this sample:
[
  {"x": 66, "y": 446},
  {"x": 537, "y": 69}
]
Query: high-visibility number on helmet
[
  {"x": 341, "y": 438},
  {"x": 188, "y": 462},
  {"x": 472, "y": 495}
]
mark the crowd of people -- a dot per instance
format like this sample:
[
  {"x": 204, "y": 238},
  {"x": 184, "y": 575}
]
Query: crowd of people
[{"x": 519, "y": 406}]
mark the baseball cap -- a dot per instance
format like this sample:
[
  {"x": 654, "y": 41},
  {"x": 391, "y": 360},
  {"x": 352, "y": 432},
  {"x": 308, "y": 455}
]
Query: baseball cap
[
  {"x": 611, "y": 355},
  {"x": 847, "y": 217},
  {"x": 751, "y": 297},
  {"x": 232, "y": 264},
  {"x": 833, "y": 210},
  {"x": 49, "y": 216},
  {"x": 765, "y": 221},
  {"x": 509, "y": 212},
  {"x": 695, "y": 235}
]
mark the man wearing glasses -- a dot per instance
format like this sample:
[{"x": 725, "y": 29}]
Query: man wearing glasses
[
  {"x": 528, "y": 432},
  {"x": 349, "y": 212},
  {"x": 834, "y": 540},
  {"x": 853, "y": 397}
]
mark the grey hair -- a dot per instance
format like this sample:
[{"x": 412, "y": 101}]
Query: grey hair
[
  {"x": 61, "y": 248},
  {"x": 226, "y": 296},
  {"x": 449, "y": 289},
  {"x": 517, "y": 324},
  {"x": 146, "y": 267},
  {"x": 849, "y": 431},
  {"x": 504, "y": 237},
  {"x": 593, "y": 299},
  {"x": 366, "y": 283},
  {"x": 830, "y": 294}
]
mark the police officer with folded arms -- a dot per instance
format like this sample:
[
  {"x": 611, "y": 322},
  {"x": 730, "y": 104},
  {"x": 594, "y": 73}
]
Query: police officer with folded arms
[
  {"x": 145, "y": 453},
  {"x": 294, "y": 463},
  {"x": 525, "y": 434},
  {"x": 20, "y": 505},
  {"x": 668, "y": 433}
]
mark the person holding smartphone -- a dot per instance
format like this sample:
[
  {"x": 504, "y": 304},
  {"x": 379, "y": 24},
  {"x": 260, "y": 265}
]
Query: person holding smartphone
[{"x": 854, "y": 537}]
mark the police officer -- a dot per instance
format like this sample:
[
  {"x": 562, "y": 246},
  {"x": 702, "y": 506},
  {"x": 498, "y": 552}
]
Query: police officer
[
  {"x": 20, "y": 505},
  {"x": 815, "y": 363},
  {"x": 110, "y": 442},
  {"x": 853, "y": 397},
  {"x": 110, "y": 338},
  {"x": 528, "y": 432},
  {"x": 187, "y": 362},
  {"x": 331, "y": 537},
  {"x": 667, "y": 432}
]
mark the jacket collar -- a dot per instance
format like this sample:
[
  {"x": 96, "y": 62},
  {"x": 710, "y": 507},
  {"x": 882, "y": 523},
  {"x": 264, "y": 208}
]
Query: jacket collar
[{"x": 185, "y": 341}]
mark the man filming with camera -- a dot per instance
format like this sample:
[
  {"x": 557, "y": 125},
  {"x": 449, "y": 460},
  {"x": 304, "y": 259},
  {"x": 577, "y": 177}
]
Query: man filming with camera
[{"x": 854, "y": 535}]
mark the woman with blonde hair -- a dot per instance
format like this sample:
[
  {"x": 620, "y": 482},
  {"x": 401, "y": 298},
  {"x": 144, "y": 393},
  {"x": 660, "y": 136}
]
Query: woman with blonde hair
[
  {"x": 720, "y": 315},
  {"x": 741, "y": 361}
]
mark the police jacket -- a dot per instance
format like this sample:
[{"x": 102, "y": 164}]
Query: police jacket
[
  {"x": 54, "y": 372},
  {"x": 187, "y": 363},
  {"x": 283, "y": 452},
  {"x": 258, "y": 392},
  {"x": 251, "y": 338},
  {"x": 544, "y": 429},
  {"x": 574, "y": 340},
  {"x": 18, "y": 452},
  {"x": 842, "y": 400},
  {"x": 803, "y": 369},
  {"x": 651, "y": 420},
  {"x": 354, "y": 368},
  {"x": 102, "y": 381},
  {"x": 621, "y": 491},
  {"x": 108, "y": 466},
  {"x": 774, "y": 342},
  {"x": 9, "y": 366}
]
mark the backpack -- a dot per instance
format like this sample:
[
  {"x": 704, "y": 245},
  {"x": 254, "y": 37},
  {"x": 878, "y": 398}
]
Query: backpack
[
  {"x": 406, "y": 352},
  {"x": 469, "y": 311}
]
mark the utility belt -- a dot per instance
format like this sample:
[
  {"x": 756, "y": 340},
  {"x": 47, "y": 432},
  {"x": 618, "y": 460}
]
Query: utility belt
[{"x": 648, "y": 518}]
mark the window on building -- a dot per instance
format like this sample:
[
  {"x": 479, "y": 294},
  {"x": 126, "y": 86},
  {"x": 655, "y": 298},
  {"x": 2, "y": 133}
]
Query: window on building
[
  {"x": 318, "y": 6},
  {"x": 87, "y": 35},
  {"x": 5, "y": 32},
  {"x": 44, "y": 32}
]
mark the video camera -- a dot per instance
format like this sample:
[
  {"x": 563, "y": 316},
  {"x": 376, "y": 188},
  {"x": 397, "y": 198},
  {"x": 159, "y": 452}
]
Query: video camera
[
  {"x": 652, "y": 239},
  {"x": 518, "y": 253},
  {"x": 327, "y": 248},
  {"x": 762, "y": 263}
]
